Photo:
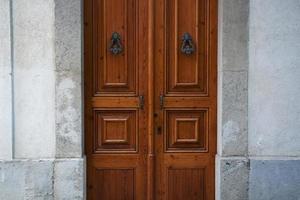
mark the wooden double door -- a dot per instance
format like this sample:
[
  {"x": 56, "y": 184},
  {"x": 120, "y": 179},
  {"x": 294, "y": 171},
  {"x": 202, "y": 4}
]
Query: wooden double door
[{"x": 150, "y": 99}]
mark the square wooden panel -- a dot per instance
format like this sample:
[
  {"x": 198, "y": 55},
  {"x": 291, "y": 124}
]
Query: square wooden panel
[
  {"x": 186, "y": 130},
  {"x": 115, "y": 131}
]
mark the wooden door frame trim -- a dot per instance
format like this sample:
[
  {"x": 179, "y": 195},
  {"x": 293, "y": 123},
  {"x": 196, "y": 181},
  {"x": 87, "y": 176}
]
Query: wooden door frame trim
[{"x": 151, "y": 155}]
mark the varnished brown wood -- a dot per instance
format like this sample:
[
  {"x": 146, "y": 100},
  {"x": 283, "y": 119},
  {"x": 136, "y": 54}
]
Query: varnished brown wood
[
  {"x": 115, "y": 183},
  {"x": 151, "y": 156},
  {"x": 185, "y": 139},
  {"x": 154, "y": 152},
  {"x": 185, "y": 75},
  {"x": 115, "y": 74},
  {"x": 116, "y": 125}
]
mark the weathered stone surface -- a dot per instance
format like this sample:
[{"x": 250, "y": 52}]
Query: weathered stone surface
[
  {"x": 234, "y": 101},
  {"x": 274, "y": 84},
  {"x": 34, "y": 78},
  {"x": 274, "y": 180},
  {"x": 26, "y": 180},
  {"x": 232, "y": 178},
  {"x": 69, "y": 179},
  {"x": 5, "y": 82},
  {"x": 68, "y": 78},
  {"x": 233, "y": 35},
  {"x": 233, "y": 75}
]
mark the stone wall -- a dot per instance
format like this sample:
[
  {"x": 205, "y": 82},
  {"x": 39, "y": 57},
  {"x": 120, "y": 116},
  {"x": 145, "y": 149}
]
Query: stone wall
[
  {"x": 232, "y": 168},
  {"x": 40, "y": 100}
]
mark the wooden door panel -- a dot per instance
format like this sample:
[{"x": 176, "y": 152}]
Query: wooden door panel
[
  {"x": 185, "y": 104},
  {"x": 116, "y": 131},
  {"x": 186, "y": 183},
  {"x": 186, "y": 74},
  {"x": 115, "y": 112},
  {"x": 117, "y": 184},
  {"x": 115, "y": 73},
  {"x": 186, "y": 130},
  {"x": 187, "y": 175}
]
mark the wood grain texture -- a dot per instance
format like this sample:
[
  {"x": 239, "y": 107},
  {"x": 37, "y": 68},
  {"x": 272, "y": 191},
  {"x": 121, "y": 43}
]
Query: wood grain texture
[
  {"x": 160, "y": 151},
  {"x": 115, "y": 131},
  {"x": 186, "y": 184},
  {"x": 115, "y": 124},
  {"x": 115, "y": 74},
  {"x": 115, "y": 184},
  {"x": 186, "y": 130},
  {"x": 186, "y": 144},
  {"x": 186, "y": 75}
]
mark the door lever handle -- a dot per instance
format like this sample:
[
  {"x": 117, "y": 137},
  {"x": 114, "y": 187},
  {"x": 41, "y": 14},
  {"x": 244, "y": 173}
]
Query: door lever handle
[
  {"x": 142, "y": 102},
  {"x": 161, "y": 101}
]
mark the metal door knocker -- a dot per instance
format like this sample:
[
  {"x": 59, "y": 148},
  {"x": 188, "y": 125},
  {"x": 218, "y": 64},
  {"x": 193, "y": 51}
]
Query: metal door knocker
[
  {"x": 187, "y": 46},
  {"x": 116, "y": 45}
]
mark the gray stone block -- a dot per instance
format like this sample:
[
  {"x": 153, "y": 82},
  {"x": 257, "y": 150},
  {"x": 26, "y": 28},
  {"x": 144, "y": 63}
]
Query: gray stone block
[
  {"x": 68, "y": 39},
  {"x": 69, "y": 179},
  {"x": 234, "y": 113},
  {"x": 233, "y": 34},
  {"x": 274, "y": 180},
  {"x": 232, "y": 182},
  {"x": 26, "y": 180}
]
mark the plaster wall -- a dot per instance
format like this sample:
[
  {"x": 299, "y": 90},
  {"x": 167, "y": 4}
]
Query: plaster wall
[
  {"x": 5, "y": 82},
  {"x": 274, "y": 96},
  {"x": 274, "y": 84},
  {"x": 34, "y": 78}
]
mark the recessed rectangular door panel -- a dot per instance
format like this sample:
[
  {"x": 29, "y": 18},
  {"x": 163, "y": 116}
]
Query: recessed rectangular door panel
[
  {"x": 115, "y": 184},
  {"x": 115, "y": 47},
  {"x": 115, "y": 131},
  {"x": 186, "y": 130},
  {"x": 186, "y": 183},
  {"x": 186, "y": 47}
]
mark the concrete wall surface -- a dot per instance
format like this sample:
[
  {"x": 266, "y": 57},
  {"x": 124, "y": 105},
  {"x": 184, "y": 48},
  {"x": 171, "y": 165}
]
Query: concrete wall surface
[
  {"x": 274, "y": 100},
  {"x": 5, "y": 82}
]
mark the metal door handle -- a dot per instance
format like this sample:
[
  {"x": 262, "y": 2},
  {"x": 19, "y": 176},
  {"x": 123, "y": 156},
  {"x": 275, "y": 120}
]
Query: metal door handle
[
  {"x": 187, "y": 45},
  {"x": 116, "y": 45},
  {"x": 142, "y": 102},
  {"x": 161, "y": 101}
]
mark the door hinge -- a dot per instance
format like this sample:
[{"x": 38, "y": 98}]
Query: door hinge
[{"x": 142, "y": 102}]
